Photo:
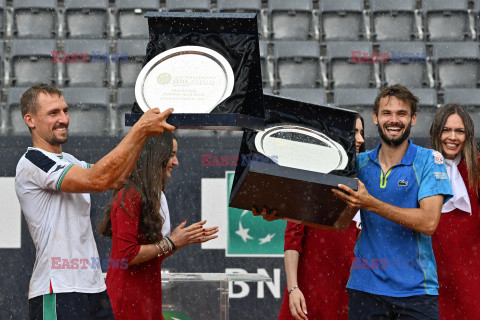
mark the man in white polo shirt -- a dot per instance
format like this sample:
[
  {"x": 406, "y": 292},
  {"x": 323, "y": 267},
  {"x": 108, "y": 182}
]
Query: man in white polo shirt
[{"x": 52, "y": 187}]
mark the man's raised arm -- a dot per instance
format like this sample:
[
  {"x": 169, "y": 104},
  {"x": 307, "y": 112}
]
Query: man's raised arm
[{"x": 110, "y": 171}]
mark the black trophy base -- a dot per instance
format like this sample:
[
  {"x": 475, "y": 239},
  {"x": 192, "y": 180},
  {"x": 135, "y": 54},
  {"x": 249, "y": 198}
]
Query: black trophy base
[
  {"x": 207, "y": 121},
  {"x": 295, "y": 194}
]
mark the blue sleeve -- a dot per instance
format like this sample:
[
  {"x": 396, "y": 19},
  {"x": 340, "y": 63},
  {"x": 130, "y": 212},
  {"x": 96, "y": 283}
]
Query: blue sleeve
[{"x": 434, "y": 178}]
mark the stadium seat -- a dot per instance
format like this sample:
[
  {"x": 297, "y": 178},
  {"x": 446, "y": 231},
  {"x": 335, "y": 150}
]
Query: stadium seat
[
  {"x": 31, "y": 62},
  {"x": 129, "y": 68},
  {"x": 2, "y": 65},
  {"x": 93, "y": 71},
  {"x": 311, "y": 95},
  {"x": 446, "y": 20},
  {"x": 407, "y": 64},
  {"x": 267, "y": 73},
  {"x": 344, "y": 72},
  {"x": 466, "y": 97},
  {"x": 457, "y": 64},
  {"x": 130, "y": 20},
  {"x": 86, "y": 19},
  {"x": 297, "y": 64},
  {"x": 341, "y": 20},
  {"x": 254, "y": 6},
  {"x": 188, "y": 5},
  {"x": 35, "y": 19},
  {"x": 3, "y": 9},
  {"x": 290, "y": 20},
  {"x": 393, "y": 20},
  {"x": 89, "y": 111},
  {"x": 125, "y": 100},
  {"x": 14, "y": 123},
  {"x": 427, "y": 97},
  {"x": 361, "y": 101}
]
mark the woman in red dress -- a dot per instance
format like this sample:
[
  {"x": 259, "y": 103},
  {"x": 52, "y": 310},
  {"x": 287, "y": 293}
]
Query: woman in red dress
[
  {"x": 138, "y": 221},
  {"x": 317, "y": 263},
  {"x": 456, "y": 242}
]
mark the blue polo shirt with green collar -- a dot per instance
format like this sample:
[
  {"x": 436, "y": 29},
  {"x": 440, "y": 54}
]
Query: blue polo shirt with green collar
[{"x": 390, "y": 259}]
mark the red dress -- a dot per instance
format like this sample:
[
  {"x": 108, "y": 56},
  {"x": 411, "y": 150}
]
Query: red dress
[
  {"x": 135, "y": 291},
  {"x": 456, "y": 245},
  {"x": 323, "y": 269}
]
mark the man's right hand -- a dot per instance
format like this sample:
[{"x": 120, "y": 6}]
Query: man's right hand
[
  {"x": 154, "y": 122},
  {"x": 298, "y": 307}
]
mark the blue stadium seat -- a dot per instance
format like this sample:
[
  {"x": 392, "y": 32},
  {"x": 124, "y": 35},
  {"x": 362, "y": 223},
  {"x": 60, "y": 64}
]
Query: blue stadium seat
[
  {"x": 35, "y": 19},
  {"x": 129, "y": 68},
  {"x": 457, "y": 64},
  {"x": 86, "y": 19},
  {"x": 341, "y": 20},
  {"x": 344, "y": 71},
  {"x": 446, "y": 20},
  {"x": 297, "y": 64},
  {"x": 92, "y": 71},
  {"x": 188, "y": 5},
  {"x": 290, "y": 20},
  {"x": 407, "y": 64},
  {"x": 393, "y": 20},
  {"x": 31, "y": 62},
  {"x": 89, "y": 111},
  {"x": 130, "y": 19}
]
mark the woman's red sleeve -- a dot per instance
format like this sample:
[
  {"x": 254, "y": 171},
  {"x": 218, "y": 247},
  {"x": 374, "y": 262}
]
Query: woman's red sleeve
[
  {"x": 127, "y": 226},
  {"x": 294, "y": 236}
]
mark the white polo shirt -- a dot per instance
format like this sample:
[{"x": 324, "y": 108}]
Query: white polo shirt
[{"x": 59, "y": 223}]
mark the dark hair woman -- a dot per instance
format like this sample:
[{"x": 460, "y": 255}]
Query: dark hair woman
[
  {"x": 317, "y": 264},
  {"x": 138, "y": 221},
  {"x": 456, "y": 242}
]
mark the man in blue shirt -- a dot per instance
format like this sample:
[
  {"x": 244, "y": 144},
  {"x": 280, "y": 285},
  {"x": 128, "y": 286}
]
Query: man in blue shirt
[{"x": 401, "y": 191}]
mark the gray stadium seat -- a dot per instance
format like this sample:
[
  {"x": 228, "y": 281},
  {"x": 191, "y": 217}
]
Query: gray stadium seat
[
  {"x": 2, "y": 64},
  {"x": 290, "y": 20},
  {"x": 297, "y": 64},
  {"x": 92, "y": 73},
  {"x": 3, "y": 9},
  {"x": 457, "y": 64},
  {"x": 35, "y": 19},
  {"x": 128, "y": 70},
  {"x": 86, "y": 18},
  {"x": 254, "y": 6},
  {"x": 89, "y": 111},
  {"x": 343, "y": 73},
  {"x": 427, "y": 97},
  {"x": 14, "y": 120},
  {"x": 266, "y": 72},
  {"x": 446, "y": 20},
  {"x": 341, "y": 20},
  {"x": 125, "y": 100},
  {"x": 130, "y": 17},
  {"x": 188, "y": 5},
  {"x": 31, "y": 62},
  {"x": 360, "y": 100},
  {"x": 410, "y": 70},
  {"x": 393, "y": 20},
  {"x": 311, "y": 95},
  {"x": 466, "y": 97}
]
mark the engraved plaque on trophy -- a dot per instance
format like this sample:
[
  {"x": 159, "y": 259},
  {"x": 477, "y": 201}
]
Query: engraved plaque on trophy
[
  {"x": 304, "y": 152},
  {"x": 204, "y": 65}
]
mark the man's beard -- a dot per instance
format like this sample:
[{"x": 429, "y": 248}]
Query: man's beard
[
  {"x": 54, "y": 141},
  {"x": 398, "y": 141}
]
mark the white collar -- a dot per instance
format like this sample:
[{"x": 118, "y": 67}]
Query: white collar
[{"x": 460, "y": 199}]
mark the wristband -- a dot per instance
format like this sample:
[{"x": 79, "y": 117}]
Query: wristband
[
  {"x": 291, "y": 290},
  {"x": 173, "y": 244},
  {"x": 159, "y": 254}
]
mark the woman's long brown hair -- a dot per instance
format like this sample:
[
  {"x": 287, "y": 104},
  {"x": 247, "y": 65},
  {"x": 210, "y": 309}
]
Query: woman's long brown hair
[
  {"x": 148, "y": 180},
  {"x": 469, "y": 152}
]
